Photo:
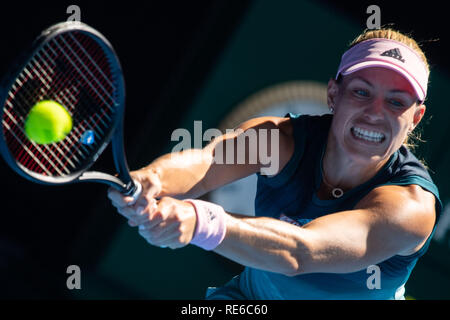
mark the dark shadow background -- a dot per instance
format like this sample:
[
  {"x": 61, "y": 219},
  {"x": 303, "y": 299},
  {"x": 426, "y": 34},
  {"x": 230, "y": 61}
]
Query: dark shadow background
[{"x": 168, "y": 51}]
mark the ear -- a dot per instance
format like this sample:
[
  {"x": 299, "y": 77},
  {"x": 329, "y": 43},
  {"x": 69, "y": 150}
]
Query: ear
[
  {"x": 332, "y": 92},
  {"x": 418, "y": 115}
]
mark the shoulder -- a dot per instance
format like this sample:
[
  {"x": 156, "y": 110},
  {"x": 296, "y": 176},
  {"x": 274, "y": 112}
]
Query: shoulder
[
  {"x": 407, "y": 165},
  {"x": 283, "y": 126},
  {"x": 282, "y": 123},
  {"x": 408, "y": 209},
  {"x": 288, "y": 124},
  {"x": 293, "y": 133},
  {"x": 277, "y": 133}
]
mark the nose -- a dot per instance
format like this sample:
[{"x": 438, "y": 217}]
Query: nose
[{"x": 374, "y": 110}]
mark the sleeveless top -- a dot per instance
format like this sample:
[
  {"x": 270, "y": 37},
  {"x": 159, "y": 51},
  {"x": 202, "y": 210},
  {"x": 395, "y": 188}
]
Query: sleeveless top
[{"x": 291, "y": 195}]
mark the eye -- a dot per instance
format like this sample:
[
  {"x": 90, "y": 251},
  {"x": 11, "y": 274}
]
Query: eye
[
  {"x": 396, "y": 103},
  {"x": 361, "y": 93}
]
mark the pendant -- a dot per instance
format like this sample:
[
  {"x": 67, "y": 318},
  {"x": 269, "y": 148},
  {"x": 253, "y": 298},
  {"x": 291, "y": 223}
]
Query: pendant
[{"x": 337, "y": 192}]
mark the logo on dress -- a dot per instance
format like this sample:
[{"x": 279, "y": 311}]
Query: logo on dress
[{"x": 297, "y": 222}]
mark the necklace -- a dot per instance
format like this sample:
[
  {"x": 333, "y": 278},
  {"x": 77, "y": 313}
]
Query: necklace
[{"x": 336, "y": 192}]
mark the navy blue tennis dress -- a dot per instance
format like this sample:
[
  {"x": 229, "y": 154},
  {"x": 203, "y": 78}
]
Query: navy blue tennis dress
[{"x": 291, "y": 195}]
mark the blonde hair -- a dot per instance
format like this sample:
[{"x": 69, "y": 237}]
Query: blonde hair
[
  {"x": 391, "y": 34},
  {"x": 388, "y": 33}
]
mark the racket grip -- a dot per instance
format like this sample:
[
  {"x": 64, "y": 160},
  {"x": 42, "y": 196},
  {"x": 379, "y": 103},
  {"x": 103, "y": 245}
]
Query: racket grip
[{"x": 136, "y": 193}]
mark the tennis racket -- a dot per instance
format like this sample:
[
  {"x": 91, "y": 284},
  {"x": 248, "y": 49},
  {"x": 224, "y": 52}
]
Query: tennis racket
[{"x": 76, "y": 66}]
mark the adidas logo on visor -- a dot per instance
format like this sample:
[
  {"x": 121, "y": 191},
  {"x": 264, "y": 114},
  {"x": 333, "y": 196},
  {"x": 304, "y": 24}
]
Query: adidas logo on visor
[{"x": 394, "y": 53}]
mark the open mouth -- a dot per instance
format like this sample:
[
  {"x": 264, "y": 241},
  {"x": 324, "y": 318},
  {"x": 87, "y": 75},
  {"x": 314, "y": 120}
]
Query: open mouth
[{"x": 367, "y": 135}]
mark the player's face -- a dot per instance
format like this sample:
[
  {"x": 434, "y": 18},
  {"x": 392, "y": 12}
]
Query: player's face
[{"x": 374, "y": 110}]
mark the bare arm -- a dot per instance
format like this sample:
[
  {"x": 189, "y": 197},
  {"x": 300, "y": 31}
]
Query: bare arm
[
  {"x": 193, "y": 172},
  {"x": 390, "y": 220}
]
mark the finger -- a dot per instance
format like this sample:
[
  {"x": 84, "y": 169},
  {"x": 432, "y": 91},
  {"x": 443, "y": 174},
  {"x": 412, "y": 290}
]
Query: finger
[
  {"x": 136, "y": 220},
  {"x": 152, "y": 191},
  {"x": 154, "y": 220},
  {"x": 149, "y": 180},
  {"x": 127, "y": 212},
  {"x": 150, "y": 217},
  {"x": 144, "y": 206},
  {"x": 152, "y": 235},
  {"x": 160, "y": 236},
  {"x": 131, "y": 223},
  {"x": 152, "y": 207},
  {"x": 172, "y": 243},
  {"x": 156, "y": 231},
  {"x": 137, "y": 216},
  {"x": 140, "y": 216},
  {"x": 153, "y": 227},
  {"x": 118, "y": 199}
]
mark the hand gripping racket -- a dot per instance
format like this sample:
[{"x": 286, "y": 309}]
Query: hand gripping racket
[{"x": 74, "y": 65}]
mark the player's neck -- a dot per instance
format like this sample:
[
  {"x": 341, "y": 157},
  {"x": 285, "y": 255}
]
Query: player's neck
[{"x": 341, "y": 170}]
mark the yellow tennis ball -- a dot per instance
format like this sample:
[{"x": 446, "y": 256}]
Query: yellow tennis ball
[{"x": 48, "y": 122}]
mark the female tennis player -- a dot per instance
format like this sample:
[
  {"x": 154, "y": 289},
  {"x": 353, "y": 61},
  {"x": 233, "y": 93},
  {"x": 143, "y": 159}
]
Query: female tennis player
[{"x": 349, "y": 198}]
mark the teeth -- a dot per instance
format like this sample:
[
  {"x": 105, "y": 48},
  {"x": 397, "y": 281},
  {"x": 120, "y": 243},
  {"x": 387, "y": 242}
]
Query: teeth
[{"x": 368, "y": 135}]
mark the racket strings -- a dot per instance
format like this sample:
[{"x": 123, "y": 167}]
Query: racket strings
[
  {"x": 71, "y": 76},
  {"x": 32, "y": 155},
  {"x": 82, "y": 86},
  {"x": 89, "y": 107},
  {"x": 26, "y": 149},
  {"x": 80, "y": 71},
  {"x": 72, "y": 91},
  {"x": 100, "y": 78},
  {"x": 24, "y": 93}
]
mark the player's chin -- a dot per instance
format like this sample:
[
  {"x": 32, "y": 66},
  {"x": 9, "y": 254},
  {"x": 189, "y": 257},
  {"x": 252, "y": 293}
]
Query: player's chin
[{"x": 368, "y": 150}]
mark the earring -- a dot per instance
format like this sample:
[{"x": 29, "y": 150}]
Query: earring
[{"x": 331, "y": 109}]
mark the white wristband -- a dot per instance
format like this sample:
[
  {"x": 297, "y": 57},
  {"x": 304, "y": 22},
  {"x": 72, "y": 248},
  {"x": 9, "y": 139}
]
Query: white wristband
[{"x": 211, "y": 228}]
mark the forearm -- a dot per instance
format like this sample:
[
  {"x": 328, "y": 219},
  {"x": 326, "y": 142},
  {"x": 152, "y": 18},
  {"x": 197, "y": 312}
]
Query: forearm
[
  {"x": 181, "y": 173},
  {"x": 226, "y": 158},
  {"x": 343, "y": 242},
  {"x": 265, "y": 243},
  {"x": 194, "y": 172}
]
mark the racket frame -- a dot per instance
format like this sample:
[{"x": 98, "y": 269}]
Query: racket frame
[{"x": 123, "y": 181}]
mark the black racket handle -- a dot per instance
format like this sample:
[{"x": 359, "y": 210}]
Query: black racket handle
[{"x": 135, "y": 191}]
